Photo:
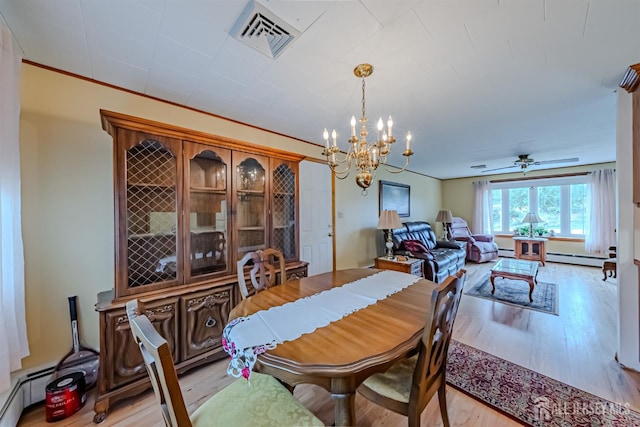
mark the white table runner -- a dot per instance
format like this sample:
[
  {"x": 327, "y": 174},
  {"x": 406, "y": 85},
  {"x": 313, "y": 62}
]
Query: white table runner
[{"x": 246, "y": 337}]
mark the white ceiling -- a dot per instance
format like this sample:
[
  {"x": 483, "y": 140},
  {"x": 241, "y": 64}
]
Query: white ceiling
[{"x": 476, "y": 82}]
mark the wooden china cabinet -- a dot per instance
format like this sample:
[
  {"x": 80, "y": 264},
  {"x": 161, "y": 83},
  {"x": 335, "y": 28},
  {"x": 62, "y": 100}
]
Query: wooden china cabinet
[{"x": 188, "y": 205}]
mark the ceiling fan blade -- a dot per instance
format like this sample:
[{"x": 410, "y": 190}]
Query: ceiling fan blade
[
  {"x": 497, "y": 169},
  {"x": 549, "y": 162}
]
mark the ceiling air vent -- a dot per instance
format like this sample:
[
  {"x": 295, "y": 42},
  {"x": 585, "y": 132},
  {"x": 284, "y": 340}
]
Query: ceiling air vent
[{"x": 260, "y": 29}]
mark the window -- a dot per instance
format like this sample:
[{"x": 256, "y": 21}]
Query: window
[{"x": 561, "y": 203}]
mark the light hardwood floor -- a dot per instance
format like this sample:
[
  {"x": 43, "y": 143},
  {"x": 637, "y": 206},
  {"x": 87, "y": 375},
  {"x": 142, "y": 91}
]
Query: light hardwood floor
[{"x": 577, "y": 347}]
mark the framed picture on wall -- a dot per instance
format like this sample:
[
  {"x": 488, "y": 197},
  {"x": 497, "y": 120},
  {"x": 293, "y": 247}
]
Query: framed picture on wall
[{"x": 394, "y": 196}]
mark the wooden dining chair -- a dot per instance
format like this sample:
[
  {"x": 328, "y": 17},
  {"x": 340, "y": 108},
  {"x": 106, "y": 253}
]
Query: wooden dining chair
[
  {"x": 263, "y": 271},
  {"x": 408, "y": 386},
  {"x": 263, "y": 401}
]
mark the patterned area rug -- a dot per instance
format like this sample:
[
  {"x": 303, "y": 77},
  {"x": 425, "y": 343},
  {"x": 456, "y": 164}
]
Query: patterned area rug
[
  {"x": 516, "y": 292},
  {"x": 527, "y": 396}
]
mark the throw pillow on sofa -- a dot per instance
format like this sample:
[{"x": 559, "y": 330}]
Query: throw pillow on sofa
[{"x": 415, "y": 246}]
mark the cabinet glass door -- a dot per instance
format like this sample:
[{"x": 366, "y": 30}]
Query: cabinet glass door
[
  {"x": 283, "y": 209},
  {"x": 535, "y": 248},
  {"x": 207, "y": 202},
  {"x": 251, "y": 204},
  {"x": 151, "y": 204}
]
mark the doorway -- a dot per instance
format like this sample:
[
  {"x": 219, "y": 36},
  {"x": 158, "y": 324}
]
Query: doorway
[{"x": 316, "y": 208}]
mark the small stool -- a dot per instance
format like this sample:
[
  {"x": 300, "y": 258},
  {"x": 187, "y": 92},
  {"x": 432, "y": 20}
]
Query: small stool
[{"x": 610, "y": 266}]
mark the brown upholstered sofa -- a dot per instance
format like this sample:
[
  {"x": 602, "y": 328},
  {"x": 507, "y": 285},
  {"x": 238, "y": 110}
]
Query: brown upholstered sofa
[{"x": 442, "y": 258}]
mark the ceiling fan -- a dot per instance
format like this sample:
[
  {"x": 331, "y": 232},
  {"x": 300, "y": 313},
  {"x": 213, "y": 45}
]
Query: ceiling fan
[{"x": 524, "y": 161}]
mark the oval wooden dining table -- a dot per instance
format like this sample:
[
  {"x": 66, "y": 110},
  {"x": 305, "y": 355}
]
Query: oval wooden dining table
[{"x": 341, "y": 355}]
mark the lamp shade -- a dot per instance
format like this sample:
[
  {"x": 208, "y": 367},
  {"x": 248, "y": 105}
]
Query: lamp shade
[
  {"x": 389, "y": 220},
  {"x": 444, "y": 216},
  {"x": 531, "y": 218}
]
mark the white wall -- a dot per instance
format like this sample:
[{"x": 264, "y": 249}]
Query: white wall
[
  {"x": 357, "y": 215},
  {"x": 628, "y": 294}
]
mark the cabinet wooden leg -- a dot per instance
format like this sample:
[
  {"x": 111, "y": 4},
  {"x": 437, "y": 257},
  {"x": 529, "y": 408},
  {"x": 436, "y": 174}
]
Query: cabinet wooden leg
[
  {"x": 99, "y": 417},
  {"x": 100, "y": 407}
]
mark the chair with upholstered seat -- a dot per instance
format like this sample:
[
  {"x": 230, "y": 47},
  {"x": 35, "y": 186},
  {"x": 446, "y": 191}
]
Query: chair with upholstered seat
[
  {"x": 262, "y": 273},
  {"x": 264, "y": 401},
  {"x": 480, "y": 247},
  {"x": 408, "y": 386}
]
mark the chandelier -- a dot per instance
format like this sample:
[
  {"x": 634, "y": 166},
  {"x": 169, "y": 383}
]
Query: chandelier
[{"x": 366, "y": 156}]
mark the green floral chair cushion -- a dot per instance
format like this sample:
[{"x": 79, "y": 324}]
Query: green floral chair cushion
[{"x": 261, "y": 402}]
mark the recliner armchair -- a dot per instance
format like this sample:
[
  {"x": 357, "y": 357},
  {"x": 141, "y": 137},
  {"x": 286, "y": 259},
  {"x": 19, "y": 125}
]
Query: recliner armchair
[{"x": 480, "y": 247}]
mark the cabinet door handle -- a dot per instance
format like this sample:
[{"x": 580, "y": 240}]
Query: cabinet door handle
[{"x": 210, "y": 323}]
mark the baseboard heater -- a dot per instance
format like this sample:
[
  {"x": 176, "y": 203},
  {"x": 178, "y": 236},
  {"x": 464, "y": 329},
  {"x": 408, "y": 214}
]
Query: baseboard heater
[
  {"x": 27, "y": 388},
  {"x": 586, "y": 260}
]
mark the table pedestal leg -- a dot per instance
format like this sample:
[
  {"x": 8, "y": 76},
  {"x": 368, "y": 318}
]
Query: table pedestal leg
[
  {"x": 344, "y": 409},
  {"x": 493, "y": 286}
]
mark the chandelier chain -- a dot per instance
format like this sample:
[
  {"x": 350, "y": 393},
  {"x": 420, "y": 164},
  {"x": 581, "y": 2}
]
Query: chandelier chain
[
  {"x": 363, "y": 102},
  {"x": 366, "y": 156}
]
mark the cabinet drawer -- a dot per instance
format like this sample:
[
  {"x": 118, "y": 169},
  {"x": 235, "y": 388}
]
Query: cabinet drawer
[
  {"x": 416, "y": 269},
  {"x": 122, "y": 354},
  {"x": 204, "y": 315}
]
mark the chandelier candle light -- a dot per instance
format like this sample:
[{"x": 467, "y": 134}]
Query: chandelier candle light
[
  {"x": 531, "y": 218},
  {"x": 389, "y": 220},
  {"x": 366, "y": 156}
]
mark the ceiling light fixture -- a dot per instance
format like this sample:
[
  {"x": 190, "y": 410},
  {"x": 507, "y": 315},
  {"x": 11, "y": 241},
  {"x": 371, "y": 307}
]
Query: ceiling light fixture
[{"x": 366, "y": 156}]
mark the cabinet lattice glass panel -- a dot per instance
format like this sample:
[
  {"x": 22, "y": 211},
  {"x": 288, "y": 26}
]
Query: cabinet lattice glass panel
[
  {"x": 283, "y": 206},
  {"x": 151, "y": 206}
]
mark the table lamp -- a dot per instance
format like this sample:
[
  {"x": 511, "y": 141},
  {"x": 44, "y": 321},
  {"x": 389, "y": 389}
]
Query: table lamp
[
  {"x": 531, "y": 218},
  {"x": 389, "y": 220},
  {"x": 445, "y": 217}
]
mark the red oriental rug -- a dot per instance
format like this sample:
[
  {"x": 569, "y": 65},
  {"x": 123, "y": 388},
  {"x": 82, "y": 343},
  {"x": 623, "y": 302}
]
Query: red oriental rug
[{"x": 529, "y": 397}]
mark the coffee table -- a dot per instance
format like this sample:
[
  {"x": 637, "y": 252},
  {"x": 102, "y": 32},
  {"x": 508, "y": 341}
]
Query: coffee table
[{"x": 516, "y": 269}]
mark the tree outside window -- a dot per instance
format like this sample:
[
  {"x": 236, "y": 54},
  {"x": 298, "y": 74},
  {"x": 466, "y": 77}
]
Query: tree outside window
[
  {"x": 496, "y": 209},
  {"x": 518, "y": 206},
  {"x": 578, "y": 208},
  {"x": 561, "y": 203},
  {"x": 549, "y": 207}
]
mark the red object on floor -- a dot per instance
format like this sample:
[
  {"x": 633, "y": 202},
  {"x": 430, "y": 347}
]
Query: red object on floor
[{"x": 65, "y": 396}]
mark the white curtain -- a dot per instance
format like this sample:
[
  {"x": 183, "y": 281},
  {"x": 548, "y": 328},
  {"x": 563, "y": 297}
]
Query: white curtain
[
  {"x": 602, "y": 223},
  {"x": 481, "y": 223},
  {"x": 13, "y": 327}
]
